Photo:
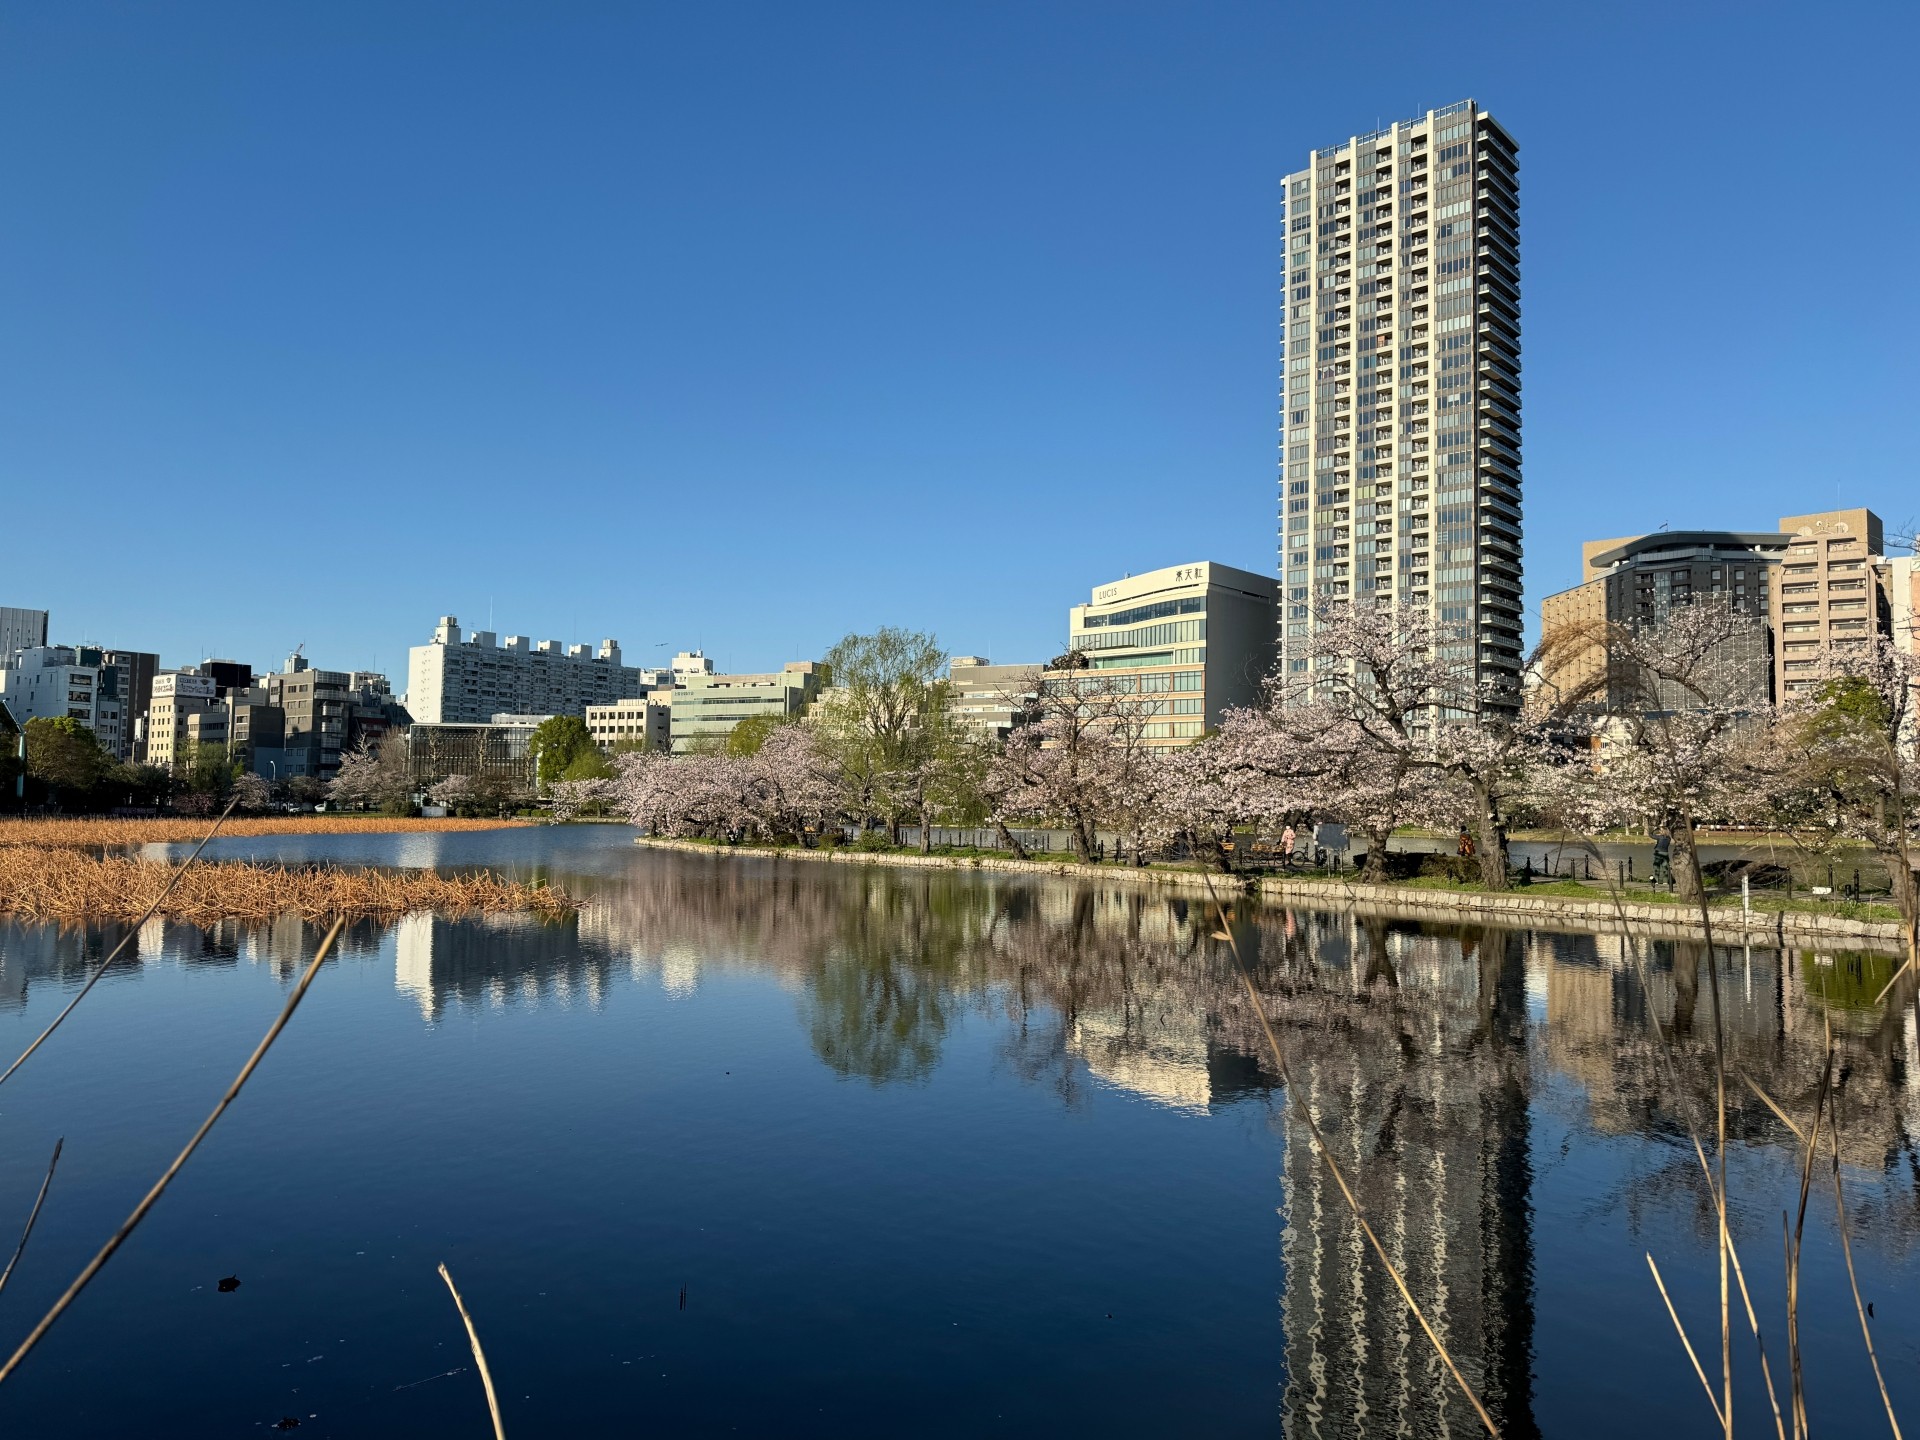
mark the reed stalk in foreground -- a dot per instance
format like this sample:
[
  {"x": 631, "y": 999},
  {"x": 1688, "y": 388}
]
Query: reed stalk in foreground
[
  {"x": 1326, "y": 1156},
  {"x": 1846, "y": 1249},
  {"x": 34, "y": 1214},
  {"x": 479, "y": 1356},
  {"x": 152, "y": 1197},
  {"x": 114, "y": 954},
  {"x": 1714, "y": 1177}
]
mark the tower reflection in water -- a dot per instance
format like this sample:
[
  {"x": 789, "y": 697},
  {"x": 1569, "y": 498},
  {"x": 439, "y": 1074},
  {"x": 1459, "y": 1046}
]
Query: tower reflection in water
[{"x": 1422, "y": 1052}]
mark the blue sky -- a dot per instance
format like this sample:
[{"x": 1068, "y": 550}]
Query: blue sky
[{"x": 747, "y": 325}]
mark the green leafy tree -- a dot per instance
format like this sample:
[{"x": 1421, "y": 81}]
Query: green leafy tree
[
  {"x": 140, "y": 784},
  {"x": 209, "y": 771},
  {"x": 588, "y": 765},
  {"x": 750, "y": 734},
  {"x": 559, "y": 743},
  {"x": 65, "y": 756},
  {"x": 879, "y": 722}
]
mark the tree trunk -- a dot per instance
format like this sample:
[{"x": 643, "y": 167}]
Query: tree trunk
[
  {"x": 1376, "y": 869},
  {"x": 1010, "y": 840},
  {"x": 1491, "y": 841},
  {"x": 1905, "y": 884},
  {"x": 926, "y": 831},
  {"x": 1082, "y": 839},
  {"x": 1222, "y": 856},
  {"x": 1686, "y": 861}
]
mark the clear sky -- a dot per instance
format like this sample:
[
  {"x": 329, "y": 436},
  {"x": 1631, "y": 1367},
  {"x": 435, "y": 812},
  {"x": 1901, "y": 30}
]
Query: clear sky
[{"x": 742, "y": 326}]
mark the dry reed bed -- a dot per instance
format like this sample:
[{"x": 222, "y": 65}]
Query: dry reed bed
[
  {"x": 93, "y": 834},
  {"x": 57, "y": 883}
]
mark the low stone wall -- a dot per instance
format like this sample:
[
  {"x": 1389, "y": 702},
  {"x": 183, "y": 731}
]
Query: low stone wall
[{"x": 1730, "y": 925}]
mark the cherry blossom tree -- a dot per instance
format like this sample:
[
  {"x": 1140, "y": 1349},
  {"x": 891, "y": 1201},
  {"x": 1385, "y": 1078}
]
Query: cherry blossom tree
[
  {"x": 1079, "y": 760},
  {"x": 356, "y": 784},
  {"x": 1845, "y": 752},
  {"x": 455, "y": 793},
  {"x": 1684, "y": 714},
  {"x": 786, "y": 787},
  {"x": 1381, "y": 685},
  {"x": 569, "y": 799},
  {"x": 251, "y": 792}
]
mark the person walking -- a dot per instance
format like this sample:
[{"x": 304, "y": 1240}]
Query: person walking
[
  {"x": 1663, "y": 858},
  {"x": 1289, "y": 838}
]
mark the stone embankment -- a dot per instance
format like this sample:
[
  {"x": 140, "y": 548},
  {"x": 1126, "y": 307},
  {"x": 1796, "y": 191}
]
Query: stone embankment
[{"x": 1604, "y": 915}]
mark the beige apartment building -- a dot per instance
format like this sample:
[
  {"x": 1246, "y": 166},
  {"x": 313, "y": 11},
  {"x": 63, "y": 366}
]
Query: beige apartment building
[
  {"x": 176, "y": 718},
  {"x": 1830, "y": 591},
  {"x": 1903, "y": 601},
  {"x": 643, "y": 722}
]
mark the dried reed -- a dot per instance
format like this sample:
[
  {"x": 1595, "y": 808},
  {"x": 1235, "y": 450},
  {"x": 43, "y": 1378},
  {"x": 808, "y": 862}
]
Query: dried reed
[
  {"x": 479, "y": 1356},
  {"x": 114, "y": 954},
  {"x": 93, "y": 834},
  {"x": 34, "y": 1214},
  {"x": 152, "y": 1197},
  {"x": 43, "y": 883}
]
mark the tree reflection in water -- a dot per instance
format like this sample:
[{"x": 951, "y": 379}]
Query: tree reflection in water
[{"x": 1425, "y": 1052}]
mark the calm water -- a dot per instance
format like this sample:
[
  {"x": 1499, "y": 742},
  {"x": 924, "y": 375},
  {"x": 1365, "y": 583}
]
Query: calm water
[{"x": 930, "y": 1154}]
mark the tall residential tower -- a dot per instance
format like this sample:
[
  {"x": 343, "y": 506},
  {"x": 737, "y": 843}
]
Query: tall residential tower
[{"x": 1400, "y": 470}]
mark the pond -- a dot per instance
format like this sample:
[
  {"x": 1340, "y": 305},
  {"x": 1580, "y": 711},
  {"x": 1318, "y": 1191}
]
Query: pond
[{"x": 774, "y": 1147}]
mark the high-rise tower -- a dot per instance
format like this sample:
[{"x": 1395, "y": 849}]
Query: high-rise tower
[{"x": 1400, "y": 468}]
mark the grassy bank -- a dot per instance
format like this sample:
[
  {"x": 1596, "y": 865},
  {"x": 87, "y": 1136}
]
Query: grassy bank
[
  {"x": 95, "y": 834},
  {"x": 66, "y": 884}
]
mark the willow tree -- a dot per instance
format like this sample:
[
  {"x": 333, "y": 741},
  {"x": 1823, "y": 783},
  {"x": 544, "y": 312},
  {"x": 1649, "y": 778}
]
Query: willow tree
[{"x": 882, "y": 718}]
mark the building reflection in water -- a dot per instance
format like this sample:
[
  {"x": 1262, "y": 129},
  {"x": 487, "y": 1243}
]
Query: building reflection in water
[{"x": 1417, "y": 1049}]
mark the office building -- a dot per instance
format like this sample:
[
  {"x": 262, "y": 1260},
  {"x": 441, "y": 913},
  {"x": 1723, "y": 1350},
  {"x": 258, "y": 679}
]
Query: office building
[
  {"x": 1190, "y": 641},
  {"x": 456, "y": 681},
  {"x": 20, "y": 630},
  {"x": 171, "y": 729},
  {"x": 642, "y": 723},
  {"x": 497, "y": 748},
  {"x": 1637, "y": 580},
  {"x": 132, "y": 673},
  {"x": 991, "y": 698},
  {"x": 328, "y": 713},
  {"x": 706, "y": 706},
  {"x": 257, "y": 732},
  {"x": 1814, "y": 581},
  {"x": 1400, "y": 478},
  {"x": 54, "y": 682}
]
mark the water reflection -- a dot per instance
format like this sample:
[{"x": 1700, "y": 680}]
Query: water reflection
[{"x": 1422, "y": 1052}]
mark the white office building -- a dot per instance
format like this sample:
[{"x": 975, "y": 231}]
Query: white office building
[
  {"x": 455, "y": 681},
  {"x": 50, "y": 682}
]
